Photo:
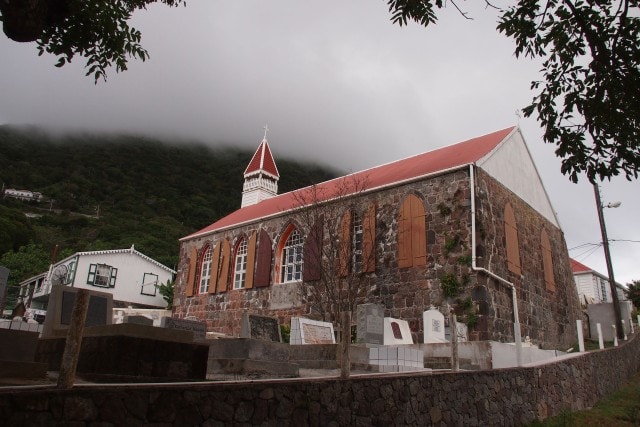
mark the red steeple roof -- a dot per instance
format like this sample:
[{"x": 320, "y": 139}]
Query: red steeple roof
[
  {"x": 262, "y": 161},
  {"x": 432, "y": 162}
]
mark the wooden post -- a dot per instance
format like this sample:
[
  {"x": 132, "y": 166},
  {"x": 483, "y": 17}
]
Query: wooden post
[
  {"x": 67, "y": 374},
  {"x": 455, "y": 361},
  {"x": 345, "y": 344}
]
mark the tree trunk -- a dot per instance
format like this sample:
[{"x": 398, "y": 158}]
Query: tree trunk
[{"x": 345, "y": 344}]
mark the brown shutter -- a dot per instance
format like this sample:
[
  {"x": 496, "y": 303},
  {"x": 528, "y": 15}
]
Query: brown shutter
[
  {"x": 193, "y": 261},
  {"x": 344, "y": 245},
  {"x": 223, "y": 272},
  {"x": 511, "y": 237},
  {"x": 262, "y": 276},
  {"x": 215, "y": 264},
  {"x": 312, "y": 255},
  {"x": 404, "y": 234},
  {"x": 547, "y": 262},
  {"x": 251, "y": 259},
  {"x": 418, "y": 232},
  {"x": 369, "y": 240}
]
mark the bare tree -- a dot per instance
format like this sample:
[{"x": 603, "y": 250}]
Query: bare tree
[{"x": 339, "y": 253}]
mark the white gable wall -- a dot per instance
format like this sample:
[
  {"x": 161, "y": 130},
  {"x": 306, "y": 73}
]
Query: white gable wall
[
  {"x": 128, "y": 285},
  {"x": 511, "y": 164}
]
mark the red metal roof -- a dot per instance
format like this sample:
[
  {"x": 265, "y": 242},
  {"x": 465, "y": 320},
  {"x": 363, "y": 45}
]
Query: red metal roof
[
  {"x": 578, "y": 267},
  {"x": 262, "y": 161},
  {"x": 432, "y": 162}
]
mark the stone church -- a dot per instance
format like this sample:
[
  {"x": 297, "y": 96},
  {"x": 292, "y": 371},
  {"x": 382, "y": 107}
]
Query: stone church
[{"x": 469, "y": 225}]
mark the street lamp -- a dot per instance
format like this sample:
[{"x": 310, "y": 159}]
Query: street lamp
[{"x": 607, "y": 256}]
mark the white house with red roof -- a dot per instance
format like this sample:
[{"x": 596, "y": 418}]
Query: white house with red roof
[
  {"x": 474, "y": 213},
  {"x": 593, "y": 287}
]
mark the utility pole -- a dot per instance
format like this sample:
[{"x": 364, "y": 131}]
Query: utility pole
[{"x": 607, "y": 256}]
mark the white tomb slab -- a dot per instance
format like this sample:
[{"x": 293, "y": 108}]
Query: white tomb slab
[
  {"x": 307, "y": 331},
  {"x": 433, "y": 322},
  {"x": 396, "y": 332}
]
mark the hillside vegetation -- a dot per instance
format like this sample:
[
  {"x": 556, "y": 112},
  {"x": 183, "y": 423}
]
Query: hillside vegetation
[{"x": 109, "y": 192}]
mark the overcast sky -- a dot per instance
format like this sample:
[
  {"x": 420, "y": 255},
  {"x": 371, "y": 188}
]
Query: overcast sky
[{"x": 335, "y": 81}]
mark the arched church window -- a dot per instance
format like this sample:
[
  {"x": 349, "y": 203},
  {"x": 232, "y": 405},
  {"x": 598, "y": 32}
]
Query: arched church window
[
  {"x": 240, "y": 270},
  {"x": 205, "y": 270},
  {"x": 291, "y": 260}
]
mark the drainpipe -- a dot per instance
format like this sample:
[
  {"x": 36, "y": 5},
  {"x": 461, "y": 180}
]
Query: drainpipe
[{"x": 516, "y": 322}]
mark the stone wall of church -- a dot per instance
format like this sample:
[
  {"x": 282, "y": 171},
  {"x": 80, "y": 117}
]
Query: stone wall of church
[{"x": 483, "y": 303}]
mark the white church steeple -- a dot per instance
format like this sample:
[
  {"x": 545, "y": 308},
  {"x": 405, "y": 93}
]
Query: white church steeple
[{"x": 261, "y": 176}]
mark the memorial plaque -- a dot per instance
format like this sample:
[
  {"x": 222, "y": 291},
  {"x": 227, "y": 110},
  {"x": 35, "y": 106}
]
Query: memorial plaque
[
  {"x": 316, "y": 334},
  {"x": 307, "y": 331},
  {"x": 370, "y": 324},
  {"x": 61, "y": 302},
  {"x": 199, "y": 329},
  {"x": 96, "y": 313},
  {"x": 397, "y": 332},
  {"x": 260, "y": 328}
]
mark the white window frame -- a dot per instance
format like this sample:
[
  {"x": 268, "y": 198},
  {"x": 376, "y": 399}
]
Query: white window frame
[
  {"x": 205, "y": 271},
  {"x": 240, "y": 273},
  {"x": 291, "y": 258}
]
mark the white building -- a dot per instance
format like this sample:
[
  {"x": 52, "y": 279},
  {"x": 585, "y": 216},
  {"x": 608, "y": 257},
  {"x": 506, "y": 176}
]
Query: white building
[
  {"x": 593, "y": 287},
  {"x": 23, "y": 194},
  {"x": 126, "y": 273}
]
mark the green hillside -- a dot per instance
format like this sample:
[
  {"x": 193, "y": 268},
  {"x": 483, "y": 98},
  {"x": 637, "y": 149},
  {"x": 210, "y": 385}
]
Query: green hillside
[{"x": 109, "y": 192}]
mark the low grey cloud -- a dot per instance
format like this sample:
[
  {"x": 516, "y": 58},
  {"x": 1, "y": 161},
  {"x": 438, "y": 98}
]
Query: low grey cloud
[{"x": 336, "y": 82}]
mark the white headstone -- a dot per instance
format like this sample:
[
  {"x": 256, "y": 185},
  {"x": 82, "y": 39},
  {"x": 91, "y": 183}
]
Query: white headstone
[
  {"x": 433, "y": 322},
  {"x": 307, "y": 331},
  {"x": 396, "y": 332}
]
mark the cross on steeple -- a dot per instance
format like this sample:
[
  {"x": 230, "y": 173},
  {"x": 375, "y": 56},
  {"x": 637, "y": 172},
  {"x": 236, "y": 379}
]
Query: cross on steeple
[{"x": 266, "y": 129}]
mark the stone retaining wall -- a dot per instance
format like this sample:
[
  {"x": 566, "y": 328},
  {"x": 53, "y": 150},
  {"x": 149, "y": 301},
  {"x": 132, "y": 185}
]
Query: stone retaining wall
[{"x": 493, "y": 397}]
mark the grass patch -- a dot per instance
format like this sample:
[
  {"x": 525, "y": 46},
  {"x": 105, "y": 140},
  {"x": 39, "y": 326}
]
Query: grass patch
[{"x": 622, "y": 408}]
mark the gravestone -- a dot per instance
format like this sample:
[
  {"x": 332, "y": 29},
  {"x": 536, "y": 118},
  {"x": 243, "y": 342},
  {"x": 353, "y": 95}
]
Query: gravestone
[
  {"x": 370, "y": 324},
  {"x": 61, "y": 302},
  {"x": 433, "y": 322},
  {"x": 260, "y": 328},
  {"x": 4, "y": 276},
  {"x": 396, "y": 332},
  {"x": 198, "y": 328},
  {"x": 138, "y": 320},
  {"x": 307, "y": 331}
]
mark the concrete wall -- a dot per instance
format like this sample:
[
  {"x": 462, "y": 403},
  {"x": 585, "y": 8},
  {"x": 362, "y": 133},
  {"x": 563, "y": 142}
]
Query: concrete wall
[{"x": 513, "y": 396}]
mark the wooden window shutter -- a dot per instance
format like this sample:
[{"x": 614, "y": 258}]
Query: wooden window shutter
[
  {"x": 511, "y": 238},
  {"x": 223, "y": 270},
  {"x": 547, "y": 261},
  {"x": 193, "y": 261},
  {"x": 369, "y": 240},
  {"x": 412, "y": 233},
  {"x": 404, "y": 234},
  {"x": 343, "y": 257},
  {"x": 418, "y": 232},
  {"x": 91, "y": 277},
  {"x": 312, "y": 254},
  {"x": 215, "y": 266},
  {"x": 262, "y": 275},
  {"x": 251, "y": 260}
]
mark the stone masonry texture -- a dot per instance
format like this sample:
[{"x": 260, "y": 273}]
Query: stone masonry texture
[
  {"x": 514, "y": 396},
  {"x": 548, "y": 318}
]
